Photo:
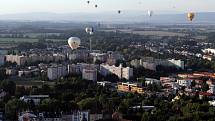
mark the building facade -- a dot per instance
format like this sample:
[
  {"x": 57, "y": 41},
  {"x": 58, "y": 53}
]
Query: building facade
[
  {"x": 32, "y": 58},
  {"x": 121, "y": 72},
  {"x": 57, "y": 71},
  {"x": 152, "y": 63},
  {"x": 89, "y": 74},
  {"x": 130, "y": 87},
  {"x": 2, "y": 60}
]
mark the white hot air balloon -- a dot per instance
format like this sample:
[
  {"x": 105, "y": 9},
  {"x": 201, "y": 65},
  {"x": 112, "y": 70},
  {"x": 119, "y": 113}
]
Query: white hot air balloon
[
  {"x": 89, "y": 30},
  {"x": 74, "y": 42},
  {"x": 150, "y": 13}
]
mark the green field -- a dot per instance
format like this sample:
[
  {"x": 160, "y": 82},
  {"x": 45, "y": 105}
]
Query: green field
[
  {"x": 16, "y": 40},
  {"x": 56, "y": 40},
  {"x": 36, "y": 35}
]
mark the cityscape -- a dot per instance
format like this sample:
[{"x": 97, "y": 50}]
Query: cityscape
[{"x": 111, "y": 65}]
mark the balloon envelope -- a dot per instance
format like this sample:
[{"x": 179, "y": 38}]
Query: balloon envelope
[
  {"x": 89, "y": 30},
  {"x": 74, "y": 42},
  {"x": 190, "y": 16},
  {"x": 150, "y": 13}
]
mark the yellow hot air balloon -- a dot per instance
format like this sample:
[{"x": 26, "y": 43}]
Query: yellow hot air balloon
[{"x": 190, "y": 16}]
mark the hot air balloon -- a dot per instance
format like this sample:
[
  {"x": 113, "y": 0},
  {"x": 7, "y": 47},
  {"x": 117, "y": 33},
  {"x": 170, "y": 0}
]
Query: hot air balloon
[
  {"x": 88, "y": 2},
  {"x": 89, "y": 30},
  {"x": 74, "y": 42},
  {"x": 190, "y": 16},
  {"x": 150, "y": 13},
  {"x": 96, "y": 6},
  {"x": 119, "y": 11}
]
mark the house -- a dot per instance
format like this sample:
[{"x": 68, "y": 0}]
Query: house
[
  {"x": 152, "y": 81},
  {"x": 35, "y": 98},
  {"x": 130, "y": 87}
]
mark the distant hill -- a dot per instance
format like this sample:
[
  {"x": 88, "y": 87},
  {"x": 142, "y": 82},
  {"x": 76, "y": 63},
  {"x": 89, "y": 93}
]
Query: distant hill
[{"x": 132, "y": 16}]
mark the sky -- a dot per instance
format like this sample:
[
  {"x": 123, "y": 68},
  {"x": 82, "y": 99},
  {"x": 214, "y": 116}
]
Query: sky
[{"x": 69, "y": 6}]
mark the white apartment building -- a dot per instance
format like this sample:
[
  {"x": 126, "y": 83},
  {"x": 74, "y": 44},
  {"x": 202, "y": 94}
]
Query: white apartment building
[
  {"x": 2, "y": 60},
  {"x": 20, "y": 60},
  {"x": 152, "y": 81},
  {"x": 209, "y": 51},
  {"x": 79, "y": 54},
  {"x": 99, "y": 56},
  {"x": 211, "y": 89},
  {"x": 104, "y": 83},
  {"x": 74, "y": 69},
  {"x": 36, "y": 98},
  {"x": 151, "y": 63},
  {"x": 32, "y": 58},
  {"x": 177, "y": 63},
  {"x": 57, "y": 71},
  {"x": 78, "y": 68},
  {"x": 120, "y": 71},
  {"x": 80, "y": 116},
  {"x": 89, "y": 74},
  {"x": 11, "y": 71}
]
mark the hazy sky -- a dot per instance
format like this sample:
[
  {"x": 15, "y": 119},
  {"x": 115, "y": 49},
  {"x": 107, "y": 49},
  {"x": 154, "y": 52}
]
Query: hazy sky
[{"x": 68, "y": 6}]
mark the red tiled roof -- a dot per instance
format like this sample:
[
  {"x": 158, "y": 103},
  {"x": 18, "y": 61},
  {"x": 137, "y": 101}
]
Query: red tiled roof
[{"x": 206, "y": 94}]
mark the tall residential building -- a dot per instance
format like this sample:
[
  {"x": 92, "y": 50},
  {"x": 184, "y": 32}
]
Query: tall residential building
[
  {"x": 99, "y": 56},
  {"x": 79, "y": 54},
  {"x": 2, "y": 60},
  {"x": 20, "y": 60},
  {"x": 177, "y": 63},
  {"x": 90, "y": 74},
  {"x": 151, "y": 63},
  {"x": 112, "y": 57},
  {"x": 121, "y": 72},
  {"x": 32, "y": 58},
  {"x": 57, "y": 71},
  {"x": 78, "y": 68}
]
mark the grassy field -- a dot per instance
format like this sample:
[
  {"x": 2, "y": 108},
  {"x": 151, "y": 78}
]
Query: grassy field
[
  {"x": 159, "y": 33},
  {"x": 149, "y": 33},
  {"x": 35, "y": 35},
  {"x": 16, "y": 40},
  {"x": 56, "y": 40}
]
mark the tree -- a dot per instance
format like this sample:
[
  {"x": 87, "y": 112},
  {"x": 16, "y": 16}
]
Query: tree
[
  {"x": 2, "y": 73},
  {"x": 90, "y": 104},
  {"x": 50, "y": 105},
  {"x": 205, "y": 87},
  {"x": 20, "y": 91},
  {"x": 193, "y": 83},
  {"x": 98, "y": 62},
  {"x": 14, "y": 106},
  {"x": 8, "y": 86},
  {"x": 112, "y": 78},
  {"x": 145, "y": 117},
  {"x": 154, "y": 87}
]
